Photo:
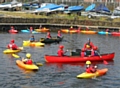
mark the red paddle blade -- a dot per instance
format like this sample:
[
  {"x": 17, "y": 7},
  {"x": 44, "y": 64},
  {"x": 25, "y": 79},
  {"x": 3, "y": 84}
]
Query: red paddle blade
[{"x": 105, "y": 62}]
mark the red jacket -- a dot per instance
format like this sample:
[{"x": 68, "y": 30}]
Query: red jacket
[
  {"x": 48, "y": 35},
  {"x": 29, "y": 62},
  {"x": 12, "y": 46},
  {"x": 60, "y": 52},
  {"x": 90, "y": 69},
  {"x": 82, "y": 54},
  {"x": 91, "y": 46},
  {"x": 59, "y": 35}
]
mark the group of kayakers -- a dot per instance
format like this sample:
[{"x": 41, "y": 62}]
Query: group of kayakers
[
  {"x": 13, "y": 46},
  {"x": 89, "y": 49}
]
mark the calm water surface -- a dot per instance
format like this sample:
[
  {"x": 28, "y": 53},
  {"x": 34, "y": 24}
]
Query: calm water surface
[{"x": 54, "y": 75}]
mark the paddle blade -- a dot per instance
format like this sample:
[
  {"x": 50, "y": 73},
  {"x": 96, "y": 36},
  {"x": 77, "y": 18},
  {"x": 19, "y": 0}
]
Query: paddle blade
[
  {"x": 105, "y": 62},
  {"x": 15, "y": 56},
  {"x": 21, "y": 48},
  {"x": 39, "y": 64}
]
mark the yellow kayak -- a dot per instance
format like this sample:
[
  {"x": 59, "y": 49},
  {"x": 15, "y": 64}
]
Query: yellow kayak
[
  {"x": 9, "y": 51},
  {"x": 99, "y": 72},
  {"x": 26, "y": 66},
  {"x": 42, "y": 30},
  {"x": 33, "y": 44},
  {"x": 89, "y": 32}
]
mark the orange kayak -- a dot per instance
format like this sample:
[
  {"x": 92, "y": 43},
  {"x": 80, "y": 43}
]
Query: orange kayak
[
  {"x": 98, "y": 73},
  {"x": 26, "y": 66},
  {"x": 69, "y": 31}
]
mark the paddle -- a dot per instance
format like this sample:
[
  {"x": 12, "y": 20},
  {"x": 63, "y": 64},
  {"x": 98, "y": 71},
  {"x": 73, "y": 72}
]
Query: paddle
[
  {"x": 104, "y": 61},
  {"x": 17, "y": 56}
]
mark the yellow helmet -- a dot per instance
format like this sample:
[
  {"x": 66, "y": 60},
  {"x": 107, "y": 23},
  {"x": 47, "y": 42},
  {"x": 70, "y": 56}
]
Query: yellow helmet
[
  {"x": 88, "y": 46},
  {"x": 88, "y": 62},
  {"x": 28, "y": 55}
]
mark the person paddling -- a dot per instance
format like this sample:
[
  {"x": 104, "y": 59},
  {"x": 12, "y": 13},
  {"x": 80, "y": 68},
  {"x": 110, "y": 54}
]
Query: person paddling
[
  {"x": 59, "y": 34},
  {"x": 94, "y": 51},
  {"x": 12, "y": 45},
  {"x": 90, "y": 68},
  {"x": 28, "y": 59},
  {"x": 88, "y": 47},
  {"x": 12, "y": 28},
  {"x": 32, "y": 38},
  {"x": 107, "y": 30},
  {"x": 61, "y": 52},
  {"x": 48, "y": 35},
  {"x": 31, "y": 29}
]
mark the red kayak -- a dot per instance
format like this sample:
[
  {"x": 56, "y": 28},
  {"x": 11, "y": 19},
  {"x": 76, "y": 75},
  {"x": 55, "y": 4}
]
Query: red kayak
[
  {"x": 115, "y": 33},
  {"x": 65, "y": 59},
  {"x": 13, "y": 31}
]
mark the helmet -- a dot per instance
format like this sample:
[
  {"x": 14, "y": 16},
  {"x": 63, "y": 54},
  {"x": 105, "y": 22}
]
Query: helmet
[
  {"x": 87, "y": 46},
  {"x": 28, "y": 55},
  {"x": 95, "y": 47},
  {"x": 12, "y": 41},
  {"x": 61, "y": 46},
  {"x": 88, "y": 62},
  {"x": 83, "y": 49}
]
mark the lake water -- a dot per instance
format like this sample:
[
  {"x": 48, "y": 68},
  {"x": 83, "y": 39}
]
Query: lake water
[{"x": 58, "y": 75}]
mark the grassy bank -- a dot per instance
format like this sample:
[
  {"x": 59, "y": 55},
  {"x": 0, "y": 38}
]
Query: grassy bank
[{"x": 59, "y": 19}]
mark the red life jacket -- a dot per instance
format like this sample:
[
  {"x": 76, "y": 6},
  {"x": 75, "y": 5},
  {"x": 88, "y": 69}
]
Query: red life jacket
[
  {"x": 90, "y": 44},
  {"x": 92, "y": 53},
  {"x": 59, "y": 34},
  {"x": 90, "y": 69},
  {"x": 60, "y": 52},
  {"x": 48, "y": 35},
  {"x": 29, "y": 62},
  {"x": 82, "y": 54},
  {"x": 12, "y": 46}
]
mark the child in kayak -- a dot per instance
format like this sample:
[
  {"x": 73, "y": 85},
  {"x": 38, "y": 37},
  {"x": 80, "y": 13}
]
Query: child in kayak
[
  {"x": 61, "y": 51},
  {"x": 12, "y": 45},
  {"x": 31, "y": 29},
  {"x": 49, "y": 35},
  {"x": 32, "y": 38},
  {"x": 28, "y": 59},
  {"x": 59, "y": 34},
  {"x": 90, "y": 68},
  {"x": 89, "y": 45}
]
